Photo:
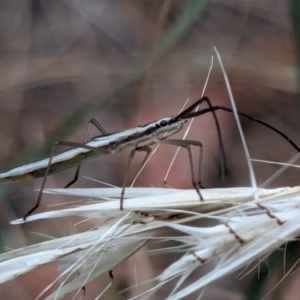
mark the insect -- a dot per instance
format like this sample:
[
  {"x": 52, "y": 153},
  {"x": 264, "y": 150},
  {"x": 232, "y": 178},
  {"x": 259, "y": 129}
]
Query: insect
[{"x": 156, "y": 132}]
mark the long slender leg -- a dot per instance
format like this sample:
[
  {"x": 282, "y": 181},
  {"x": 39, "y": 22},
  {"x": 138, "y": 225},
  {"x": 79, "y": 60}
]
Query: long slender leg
[
  {"x": 62, "y": 143},
  {"x": 148, "y": 150},
  {"x": 130, "y": 157},
  {"x": 97, "y": 125},
  {"x": 148, "y": 158},
  {"x": 102, "y": 130},
  {"x": 186, "y": 144},
  {"x": 190, "y": 113}
]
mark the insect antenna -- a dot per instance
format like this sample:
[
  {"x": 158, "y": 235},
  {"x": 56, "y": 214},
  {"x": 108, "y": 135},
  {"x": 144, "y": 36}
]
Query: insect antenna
[{"x": 190, "y": 114}]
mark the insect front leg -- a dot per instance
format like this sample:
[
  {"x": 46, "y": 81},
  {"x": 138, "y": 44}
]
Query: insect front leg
[
  {"x": 186, "y": 144},
  {"x": 191, "y": 112}
]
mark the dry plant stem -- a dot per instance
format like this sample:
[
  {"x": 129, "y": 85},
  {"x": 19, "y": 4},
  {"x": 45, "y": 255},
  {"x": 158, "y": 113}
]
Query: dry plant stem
[{"x": 247, "y": 229}]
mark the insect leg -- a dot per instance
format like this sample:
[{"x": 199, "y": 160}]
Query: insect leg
[
  {"x": 97, "y": 125},
  {"x": 62, "y": 143},
  {"x": 130, "y": 157},
  {"x": 145, "y": 160},
  {"x": 191, "y": 113},
  {"x": 187, "y": 145},
  {"x": 102, "y": 130}
]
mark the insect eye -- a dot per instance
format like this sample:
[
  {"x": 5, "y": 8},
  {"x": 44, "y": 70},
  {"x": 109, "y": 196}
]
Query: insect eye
[{"x": 163, "y": 123}]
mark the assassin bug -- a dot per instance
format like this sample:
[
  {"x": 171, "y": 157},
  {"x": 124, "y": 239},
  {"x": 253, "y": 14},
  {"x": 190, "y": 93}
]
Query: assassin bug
[{"x": 115, "y": 142}]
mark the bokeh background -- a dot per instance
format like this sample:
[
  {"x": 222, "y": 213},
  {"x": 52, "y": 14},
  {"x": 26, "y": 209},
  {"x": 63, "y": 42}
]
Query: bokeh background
[{"x": 127, "y": 63}]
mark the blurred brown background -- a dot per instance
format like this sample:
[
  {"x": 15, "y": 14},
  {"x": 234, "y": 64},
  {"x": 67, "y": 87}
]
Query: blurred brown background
[{"x": 58, "y": 56}]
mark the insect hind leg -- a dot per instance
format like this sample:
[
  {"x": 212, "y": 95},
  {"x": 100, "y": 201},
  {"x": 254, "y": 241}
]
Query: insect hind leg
[
  {"x": 94, "y": 122},
  {"x": 61, "y": 143}
]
